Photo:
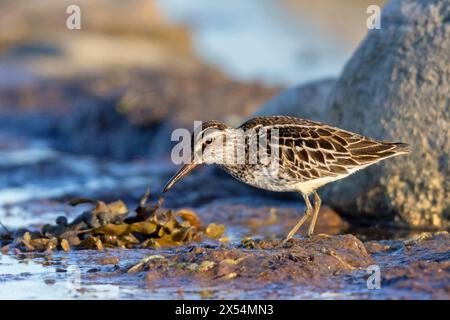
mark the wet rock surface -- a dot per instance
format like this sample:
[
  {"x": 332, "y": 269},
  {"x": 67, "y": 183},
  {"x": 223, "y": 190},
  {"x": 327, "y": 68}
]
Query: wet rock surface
[
  {"x": 320, "y": 267},
  {"x": 256, "y": 263},
  {"x": 324, "y": 263},
  {"x": 416, "y": 267}
]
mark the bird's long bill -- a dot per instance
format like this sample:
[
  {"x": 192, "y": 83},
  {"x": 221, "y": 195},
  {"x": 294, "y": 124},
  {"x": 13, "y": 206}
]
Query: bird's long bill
[{"x": 180, "y": 174}]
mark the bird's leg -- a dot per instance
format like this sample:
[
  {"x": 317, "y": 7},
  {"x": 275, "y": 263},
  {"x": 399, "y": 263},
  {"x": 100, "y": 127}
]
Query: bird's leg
[
  {"x": 317, "y": 203},
  {"x": 308, "y": 212}
]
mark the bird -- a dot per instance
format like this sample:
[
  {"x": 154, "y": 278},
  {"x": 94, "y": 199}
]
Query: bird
[{"x": 286, "y": 154}]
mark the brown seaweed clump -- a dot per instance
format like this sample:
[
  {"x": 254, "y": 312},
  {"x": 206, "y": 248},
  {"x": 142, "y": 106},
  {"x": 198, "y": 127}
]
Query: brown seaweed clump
[{"x": 113, "y": 225}]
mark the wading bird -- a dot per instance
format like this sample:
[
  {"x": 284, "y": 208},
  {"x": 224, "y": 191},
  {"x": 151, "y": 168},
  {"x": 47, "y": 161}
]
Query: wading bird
[{"x": 303, "y": 156}]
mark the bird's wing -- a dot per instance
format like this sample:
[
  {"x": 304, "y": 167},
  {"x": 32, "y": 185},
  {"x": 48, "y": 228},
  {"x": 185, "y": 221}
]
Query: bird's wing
[{"x": 313, "y": 150}]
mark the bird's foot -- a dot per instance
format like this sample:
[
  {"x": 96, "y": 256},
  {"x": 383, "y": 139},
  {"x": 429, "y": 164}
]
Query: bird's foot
[
  {"x": 285, "y": 241},
  {"x": 291, "y": 239}
]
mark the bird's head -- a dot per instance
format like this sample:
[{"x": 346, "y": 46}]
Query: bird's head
[{"x": 207, "y": 146}]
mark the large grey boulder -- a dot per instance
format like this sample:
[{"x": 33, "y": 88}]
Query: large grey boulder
[
  {"x": 304, "y": 101},
  {"x": 396, "y": 87}
]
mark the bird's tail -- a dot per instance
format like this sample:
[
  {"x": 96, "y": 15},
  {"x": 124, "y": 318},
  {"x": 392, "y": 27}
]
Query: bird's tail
[{"x": 401, "y": 148}]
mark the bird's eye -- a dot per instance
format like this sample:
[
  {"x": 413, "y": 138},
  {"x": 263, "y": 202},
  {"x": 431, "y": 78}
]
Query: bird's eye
[{"x": 209, "y": 141}]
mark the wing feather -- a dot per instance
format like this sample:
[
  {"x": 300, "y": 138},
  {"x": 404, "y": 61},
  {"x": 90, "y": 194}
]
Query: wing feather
[{"x": 310, "y": 149}]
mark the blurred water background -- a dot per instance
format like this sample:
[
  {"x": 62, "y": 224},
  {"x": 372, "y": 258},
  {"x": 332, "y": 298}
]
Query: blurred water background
[{"x": 277, "y": 42}]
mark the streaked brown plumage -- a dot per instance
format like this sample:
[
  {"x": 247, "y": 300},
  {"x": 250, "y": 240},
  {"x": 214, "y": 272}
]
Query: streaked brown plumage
[{"x": 310, "y": 155}]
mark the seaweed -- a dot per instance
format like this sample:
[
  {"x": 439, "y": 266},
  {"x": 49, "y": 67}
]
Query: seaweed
[{"x": 113, "y": 225}]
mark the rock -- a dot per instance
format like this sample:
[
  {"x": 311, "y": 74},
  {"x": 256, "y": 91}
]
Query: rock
[
  {"x": 321, "y": 263},
  {"x": 395, "y": 87},
  {"x": 303, "y": 101},
  {"x": 311, "y": 262},
  {"x": 423, "y": 269}
]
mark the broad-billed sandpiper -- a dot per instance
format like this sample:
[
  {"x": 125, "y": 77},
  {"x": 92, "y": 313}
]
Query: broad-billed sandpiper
[{"x": 301, "y": 156}]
